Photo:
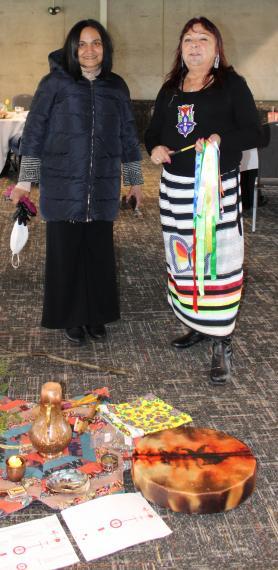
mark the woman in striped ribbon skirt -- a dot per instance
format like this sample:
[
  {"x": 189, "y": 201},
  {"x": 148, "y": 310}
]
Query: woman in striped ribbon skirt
[{"x": 202, "y": 103}]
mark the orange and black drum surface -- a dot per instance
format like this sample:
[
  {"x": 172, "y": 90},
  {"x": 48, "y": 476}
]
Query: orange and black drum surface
[{"x": 194, "y": 470}]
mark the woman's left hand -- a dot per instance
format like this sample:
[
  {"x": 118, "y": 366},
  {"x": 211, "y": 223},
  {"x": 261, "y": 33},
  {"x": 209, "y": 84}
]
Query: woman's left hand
[
  {"x": 212, "y": 138},
  {"x": 136, "y": 191},
  {"x": 215, "y": 138}
]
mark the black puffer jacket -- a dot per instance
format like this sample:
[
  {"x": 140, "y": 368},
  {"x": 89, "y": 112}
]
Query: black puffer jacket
[{"x": 81, "y": 131}]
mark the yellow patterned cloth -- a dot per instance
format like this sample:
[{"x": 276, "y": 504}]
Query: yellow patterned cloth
[{"x": 146, "y": 414}]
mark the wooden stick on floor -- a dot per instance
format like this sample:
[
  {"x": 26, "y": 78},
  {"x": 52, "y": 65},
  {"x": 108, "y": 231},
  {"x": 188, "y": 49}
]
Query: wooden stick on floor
[{"x": 116, "y": 371}]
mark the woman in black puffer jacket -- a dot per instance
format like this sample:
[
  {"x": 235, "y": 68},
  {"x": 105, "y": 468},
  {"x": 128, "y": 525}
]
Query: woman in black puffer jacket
[{"x": 79, "y": 131}]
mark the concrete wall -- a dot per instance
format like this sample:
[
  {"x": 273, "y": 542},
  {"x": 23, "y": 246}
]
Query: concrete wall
[{"x": 145, "y": 34}]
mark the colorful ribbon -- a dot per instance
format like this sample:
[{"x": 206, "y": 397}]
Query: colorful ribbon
[{"x": 206, "y": 214}]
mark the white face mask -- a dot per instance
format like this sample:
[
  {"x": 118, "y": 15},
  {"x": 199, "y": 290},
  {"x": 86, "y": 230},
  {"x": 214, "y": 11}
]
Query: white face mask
[{"x": 18, "y": 239}]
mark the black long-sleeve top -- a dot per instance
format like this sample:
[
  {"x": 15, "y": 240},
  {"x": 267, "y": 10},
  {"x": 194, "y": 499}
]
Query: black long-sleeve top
[{"x": 180, "y": 118}]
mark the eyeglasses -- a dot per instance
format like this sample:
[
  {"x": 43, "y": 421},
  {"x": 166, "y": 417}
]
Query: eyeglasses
[{"x": 94, "y": 43}]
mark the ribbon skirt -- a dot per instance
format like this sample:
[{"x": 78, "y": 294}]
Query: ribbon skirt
[{"x": 218, "y": 307}]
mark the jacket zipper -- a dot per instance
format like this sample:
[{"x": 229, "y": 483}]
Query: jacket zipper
[{"x": 92, "y": 151}]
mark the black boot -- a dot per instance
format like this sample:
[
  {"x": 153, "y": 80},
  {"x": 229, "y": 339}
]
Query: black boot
[
  {"x": 221, "y": 360},
  {"x": 188, "y": 339},
  {"x": 96, "y": 332},
  {"x": 75, "y": 335}
]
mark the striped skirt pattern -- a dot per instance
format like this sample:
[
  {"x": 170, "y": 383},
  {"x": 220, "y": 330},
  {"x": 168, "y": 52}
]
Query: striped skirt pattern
[{"x": 217, "y": 309}]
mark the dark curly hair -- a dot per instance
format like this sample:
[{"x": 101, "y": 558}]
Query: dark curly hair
[
  {"x": 70, "y": 50},
  {"x": 178, "y": 72}
]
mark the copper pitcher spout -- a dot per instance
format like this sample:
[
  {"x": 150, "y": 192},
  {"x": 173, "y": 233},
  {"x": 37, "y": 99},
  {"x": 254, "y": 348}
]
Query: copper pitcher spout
[{"x": 51, "y": 393}]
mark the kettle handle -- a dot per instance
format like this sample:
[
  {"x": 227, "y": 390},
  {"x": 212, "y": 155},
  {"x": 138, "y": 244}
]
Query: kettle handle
[{"x": 48, "y": 414}]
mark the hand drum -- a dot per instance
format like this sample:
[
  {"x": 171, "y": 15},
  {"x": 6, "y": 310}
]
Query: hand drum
[{"x": 194, "y": 470}]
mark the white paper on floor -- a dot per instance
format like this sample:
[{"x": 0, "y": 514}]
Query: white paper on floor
[
  {"x": 40, "y": 544},
  {"x": 113, "y": 522}
]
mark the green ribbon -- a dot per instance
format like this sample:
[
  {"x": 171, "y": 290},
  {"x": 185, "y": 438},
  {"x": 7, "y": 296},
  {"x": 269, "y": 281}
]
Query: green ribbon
[{"x": 206, "y": 211}]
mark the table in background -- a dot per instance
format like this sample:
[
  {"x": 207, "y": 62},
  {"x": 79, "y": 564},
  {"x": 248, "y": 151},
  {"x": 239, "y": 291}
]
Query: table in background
[{"x": 9, "y": 127}]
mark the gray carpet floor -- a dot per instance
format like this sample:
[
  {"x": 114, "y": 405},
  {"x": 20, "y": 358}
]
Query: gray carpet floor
[{"x": 244, "y": 538}]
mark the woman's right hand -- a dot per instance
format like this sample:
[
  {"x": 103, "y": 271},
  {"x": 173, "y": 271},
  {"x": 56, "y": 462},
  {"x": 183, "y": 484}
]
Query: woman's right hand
[
  {"x": 161, "y": 154},
  {"x": 199, "y": 145},
  {"x": 17, "y": 193}
]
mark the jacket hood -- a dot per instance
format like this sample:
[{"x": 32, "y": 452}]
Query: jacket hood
[{"x": 55, "y": 60}]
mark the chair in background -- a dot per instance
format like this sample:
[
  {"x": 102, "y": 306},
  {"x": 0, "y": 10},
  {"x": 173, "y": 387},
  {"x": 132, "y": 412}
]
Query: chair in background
[
  {"x": 14, "y": 157},
  {"x": 268, "y": 164},
  {"x": 22, "y": 100}
]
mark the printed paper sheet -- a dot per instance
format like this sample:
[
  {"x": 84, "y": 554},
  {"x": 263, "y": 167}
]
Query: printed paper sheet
[
  {"x": 40, "y": 544},
  {"x": 114, "y": 522}
]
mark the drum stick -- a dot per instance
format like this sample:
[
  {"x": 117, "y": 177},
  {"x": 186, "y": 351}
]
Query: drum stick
[{"x": 182, "y": 149}]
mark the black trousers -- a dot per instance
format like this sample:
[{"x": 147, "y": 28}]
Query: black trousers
[
  {"x": 247, "y": 183},
  {"x": 80, "y": 275}
]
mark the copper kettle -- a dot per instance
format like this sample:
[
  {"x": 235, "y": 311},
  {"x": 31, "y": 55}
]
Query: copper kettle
[{"x": 50, "y": 432}]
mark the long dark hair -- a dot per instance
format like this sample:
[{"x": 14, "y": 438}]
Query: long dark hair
[
  {"x": 178, "y": 72},
  {"x": 70, "y": 50}
]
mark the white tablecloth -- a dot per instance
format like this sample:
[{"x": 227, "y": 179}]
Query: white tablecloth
[
  {"x": 249, "y": 160},
  {"x": 9, "y": 127}
]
